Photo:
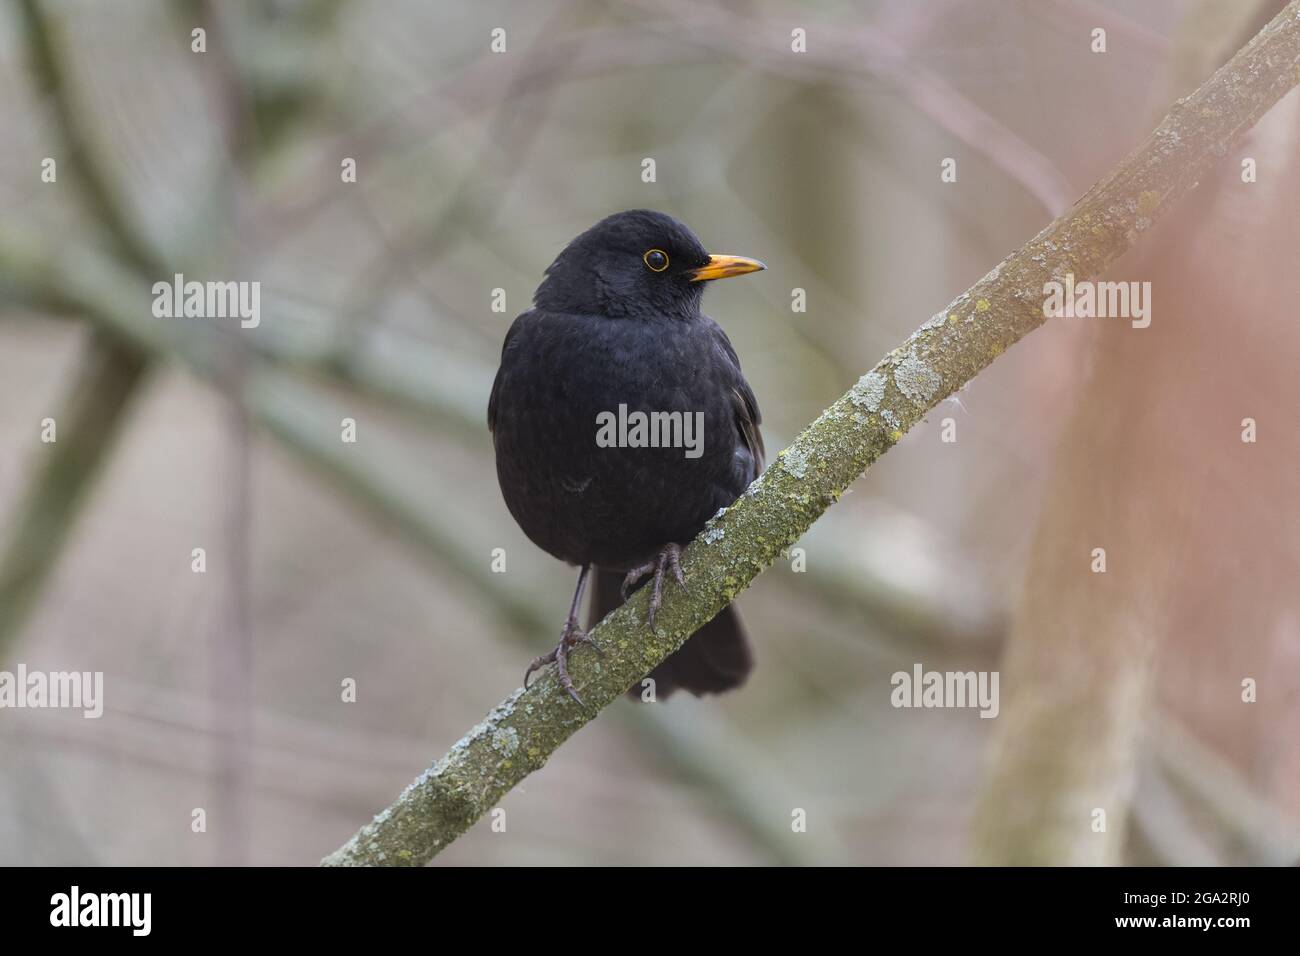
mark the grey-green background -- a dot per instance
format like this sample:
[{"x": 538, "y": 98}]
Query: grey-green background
[{"x": 371, "y": 561}]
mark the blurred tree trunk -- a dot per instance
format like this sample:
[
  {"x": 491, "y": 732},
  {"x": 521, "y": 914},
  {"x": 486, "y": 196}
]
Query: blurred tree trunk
[{"x": 1140, "y": 465}]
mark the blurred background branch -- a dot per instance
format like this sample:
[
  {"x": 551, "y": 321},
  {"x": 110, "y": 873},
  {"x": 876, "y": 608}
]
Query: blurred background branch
[{"x": 94, "y": 410}]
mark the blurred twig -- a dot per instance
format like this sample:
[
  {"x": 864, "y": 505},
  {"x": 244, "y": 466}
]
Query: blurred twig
[
  {"x": 911, "y": 580},
  {"x": 852, "y": 54},
  {"x": 111, "y": 373},
  {"x": 475, "y": 200},
  {"x": 423, "y": 381},
  {"x": 46, "y": 60},
  {"x": 1073, "y": 14},
  {"x": 231, "y": 686},
  {"x": 88, "y": 425},
  {"x": 1252, "y": 825},
  {"x": 525, "y": 728}
]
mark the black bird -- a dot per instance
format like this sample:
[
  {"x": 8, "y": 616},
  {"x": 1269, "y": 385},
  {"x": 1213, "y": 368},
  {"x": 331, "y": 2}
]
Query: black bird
[{"x": 617, "y": 322}]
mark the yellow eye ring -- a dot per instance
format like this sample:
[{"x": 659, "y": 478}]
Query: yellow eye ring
[{"x": 656, "y": 260}]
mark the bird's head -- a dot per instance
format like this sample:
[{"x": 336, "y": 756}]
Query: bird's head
[{"x": 635, "y": 264}]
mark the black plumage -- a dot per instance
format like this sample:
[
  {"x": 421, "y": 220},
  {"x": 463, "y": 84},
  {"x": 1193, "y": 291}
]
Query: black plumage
[{"x": 617, "y": 321}]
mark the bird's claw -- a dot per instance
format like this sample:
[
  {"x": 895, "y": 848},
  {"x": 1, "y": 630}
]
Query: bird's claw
[
  {"x": 670, "y": 558},
  {"x": 570, "y": 637}
]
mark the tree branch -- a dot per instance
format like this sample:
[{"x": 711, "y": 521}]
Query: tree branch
[
  {"x": 949, "y": 350},
  {"x": 46, "y": 61},
  {"x": 89, "y": 423},
  {"x": 111, "y": 373}
]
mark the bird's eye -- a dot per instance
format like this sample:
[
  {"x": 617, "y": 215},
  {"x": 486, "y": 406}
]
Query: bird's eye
[{"x": 656, "y": 260}]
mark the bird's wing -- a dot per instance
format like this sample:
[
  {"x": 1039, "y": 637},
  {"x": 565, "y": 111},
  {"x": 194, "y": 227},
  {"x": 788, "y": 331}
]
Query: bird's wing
[
  {"x": 496, "y": 382},
  {"x": 748, "y": 417}
]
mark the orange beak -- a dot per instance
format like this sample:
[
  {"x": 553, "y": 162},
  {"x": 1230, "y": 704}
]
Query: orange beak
[{"x": 724, "y": 267}]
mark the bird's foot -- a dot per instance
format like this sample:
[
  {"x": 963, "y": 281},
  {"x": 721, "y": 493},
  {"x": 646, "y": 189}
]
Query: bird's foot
[
  {"x": 670, "y": 558},
  {"x": 570, "y": 637}
]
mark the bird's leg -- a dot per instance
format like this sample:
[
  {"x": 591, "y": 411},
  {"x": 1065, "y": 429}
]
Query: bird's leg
[
  {"x": 571, "y": 635},
  {"x": 669, "y": 558}
]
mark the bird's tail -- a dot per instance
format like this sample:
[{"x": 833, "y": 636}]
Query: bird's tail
[{"x": 714, "y": 659}]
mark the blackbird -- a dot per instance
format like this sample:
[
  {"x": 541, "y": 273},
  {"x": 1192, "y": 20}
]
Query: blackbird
[{"x": 616, "y": 330}]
